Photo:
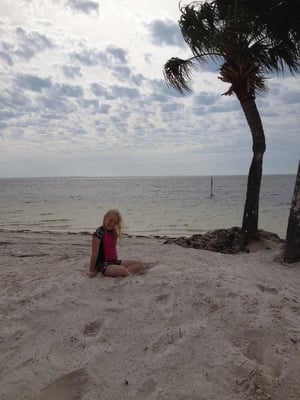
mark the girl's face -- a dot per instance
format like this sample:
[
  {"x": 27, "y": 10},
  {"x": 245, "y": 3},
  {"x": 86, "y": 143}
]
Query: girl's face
[{"x": 110, "y": 222}]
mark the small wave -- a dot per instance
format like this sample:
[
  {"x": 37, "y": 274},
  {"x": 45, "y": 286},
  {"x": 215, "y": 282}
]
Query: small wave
[
  {"x": 44, "y": 214},
  {"x": 11, "y": 212},
  {"x": 54, "y": 220}
]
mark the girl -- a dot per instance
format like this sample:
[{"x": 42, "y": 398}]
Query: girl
[{"x": 104, "y": 253}]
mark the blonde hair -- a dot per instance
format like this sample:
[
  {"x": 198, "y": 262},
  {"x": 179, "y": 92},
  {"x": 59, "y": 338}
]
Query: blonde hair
[{"x": 117, "y": 214}]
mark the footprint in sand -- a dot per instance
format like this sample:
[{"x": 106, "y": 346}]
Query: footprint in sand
[
  {"x": 10, "y": 346},
  {"x": 267, "y": 289},
  {"x": 164, "y": 299},
  {"x": 170, "y": 336},
  {"x": 166, "y": 303},
  {"x": 13, "y": 340},
  {"x": 145, "y": 390},
  {"x": 92, "y": 328},
  {"x": 68, "y": 387},
  {"x": 258, "y": 350}
]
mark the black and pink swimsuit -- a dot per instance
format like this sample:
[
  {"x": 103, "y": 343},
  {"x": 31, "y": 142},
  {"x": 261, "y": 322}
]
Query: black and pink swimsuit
[{"x": 107, "y": 254}]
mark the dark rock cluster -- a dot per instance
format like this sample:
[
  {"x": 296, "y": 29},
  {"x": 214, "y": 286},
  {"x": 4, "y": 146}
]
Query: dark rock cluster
[{"x": 227, "y": 241}]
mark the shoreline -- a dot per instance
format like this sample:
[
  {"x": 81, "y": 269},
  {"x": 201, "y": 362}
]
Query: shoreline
[
  {"x": 126, "y": 234},
  {"x": 197, "y": 322}
]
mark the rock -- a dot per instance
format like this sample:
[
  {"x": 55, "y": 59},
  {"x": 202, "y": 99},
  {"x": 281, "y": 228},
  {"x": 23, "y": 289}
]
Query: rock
[{"x": 227, "y": 241}]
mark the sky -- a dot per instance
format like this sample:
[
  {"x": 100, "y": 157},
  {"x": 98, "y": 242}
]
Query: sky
[{"x": 82, "y": 93}]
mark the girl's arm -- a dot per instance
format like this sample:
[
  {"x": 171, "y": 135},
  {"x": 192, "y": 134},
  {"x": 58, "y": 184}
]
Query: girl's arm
[{"x": 94, "y": 255}]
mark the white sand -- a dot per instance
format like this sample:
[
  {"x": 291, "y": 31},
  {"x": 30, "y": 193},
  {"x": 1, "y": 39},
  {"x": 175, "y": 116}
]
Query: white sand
[{"x": 199, "y": 325}]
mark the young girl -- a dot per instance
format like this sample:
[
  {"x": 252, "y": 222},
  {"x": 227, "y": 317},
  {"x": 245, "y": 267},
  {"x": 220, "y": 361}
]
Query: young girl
[{"x": 104, "y": 253}]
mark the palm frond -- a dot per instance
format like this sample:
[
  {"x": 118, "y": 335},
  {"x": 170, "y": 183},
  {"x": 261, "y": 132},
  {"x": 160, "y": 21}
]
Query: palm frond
[
  {"x": 199, "y": 25},
  {"x": 177, "y": 73},
  {"x": 250, "y": 37}
]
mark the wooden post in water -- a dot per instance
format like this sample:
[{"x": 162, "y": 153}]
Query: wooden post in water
[{"x": 211, "y": 187}]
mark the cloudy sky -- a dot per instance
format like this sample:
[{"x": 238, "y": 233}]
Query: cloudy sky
[{"x": 83, "y": 94}]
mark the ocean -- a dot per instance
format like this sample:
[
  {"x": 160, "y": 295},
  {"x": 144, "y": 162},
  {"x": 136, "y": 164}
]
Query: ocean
[{"x": 163, "y": 206}]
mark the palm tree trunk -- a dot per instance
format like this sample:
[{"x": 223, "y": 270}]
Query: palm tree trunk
[
  {"x": 292, "y": 243},
  {"x": 250, "y": 217}
]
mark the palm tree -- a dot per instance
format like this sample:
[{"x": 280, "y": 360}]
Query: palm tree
[
  {"x": 292, "y": 243},
  {"x": 248, "y": 39}
]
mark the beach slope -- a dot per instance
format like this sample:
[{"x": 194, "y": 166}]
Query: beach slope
[{"x": 198, "y": 325}]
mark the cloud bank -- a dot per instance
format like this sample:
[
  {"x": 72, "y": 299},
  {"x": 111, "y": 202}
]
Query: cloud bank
[{"x": 82, "y": 93}]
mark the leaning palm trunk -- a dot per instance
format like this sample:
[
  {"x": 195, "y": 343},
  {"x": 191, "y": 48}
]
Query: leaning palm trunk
[
  {"x": 249, "y": 39},
  {"x": 250, "y": 218},
  {"x": 292, "y": 243}
]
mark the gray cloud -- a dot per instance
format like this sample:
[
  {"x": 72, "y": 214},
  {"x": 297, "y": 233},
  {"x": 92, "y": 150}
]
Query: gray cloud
[
  {"x": 117, "y": 54},
  {"x": 55, "y": 104},
  {"x": 225, "y": 105},
  {"x": 160, "y": 87},
  {"x": 79, "y": 131},
  {"x": 89, "y": 104},
  {"x": 291, "y": 97},
  {"x": 114, "y": 91},
  {"x": 206, "y": 99},
  {"x": 158, "y": 97},
  {"x": 122, "y": 73},
  {"x": 98, "y": 90},
  {"x": 171, "y": 107},
  {"x": 3, "y": 125},
  {"x": 125, "y": 74},
  {"x": 31, "y": 43},
  {"x": 23, "y": 45},
  {"x": 71, "y": 72},
  {"x": 121, "y": 91},
  {"x": 138, "y": 79},
  {"x": 68, "y": 90},
  {"x": 83, "y": 6},
  {"x": 6, "y": 58},
  {"x": 7, "y": 115},
  {"x": 104, "y": 109},
  {"x": 32, "y": 82},
  {"x": 111, "y": 56},
  {"x": 14, "y": 99},
  {"x": 166, "y": 33},
  {"x": 89, "y": 57},
  {"x": 49, "y": 116}
]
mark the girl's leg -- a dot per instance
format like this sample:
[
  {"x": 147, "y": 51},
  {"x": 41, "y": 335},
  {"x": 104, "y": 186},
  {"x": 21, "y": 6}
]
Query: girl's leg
[
  {"x": 133, "y": 266},
  {"x": 116, "y": 270}
]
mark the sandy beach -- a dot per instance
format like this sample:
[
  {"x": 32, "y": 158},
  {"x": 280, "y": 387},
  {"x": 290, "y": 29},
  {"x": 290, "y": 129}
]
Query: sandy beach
[{"x": 198, "y": 325}]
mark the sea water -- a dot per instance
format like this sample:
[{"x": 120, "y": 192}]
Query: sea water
[{"x": 164, "y": 206}]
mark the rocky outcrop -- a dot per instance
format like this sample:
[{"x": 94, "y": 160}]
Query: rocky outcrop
[{"x": 228, "y": 241}]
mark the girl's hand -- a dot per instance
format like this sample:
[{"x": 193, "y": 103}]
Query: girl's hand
[{"x": 92, "y": 274}]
